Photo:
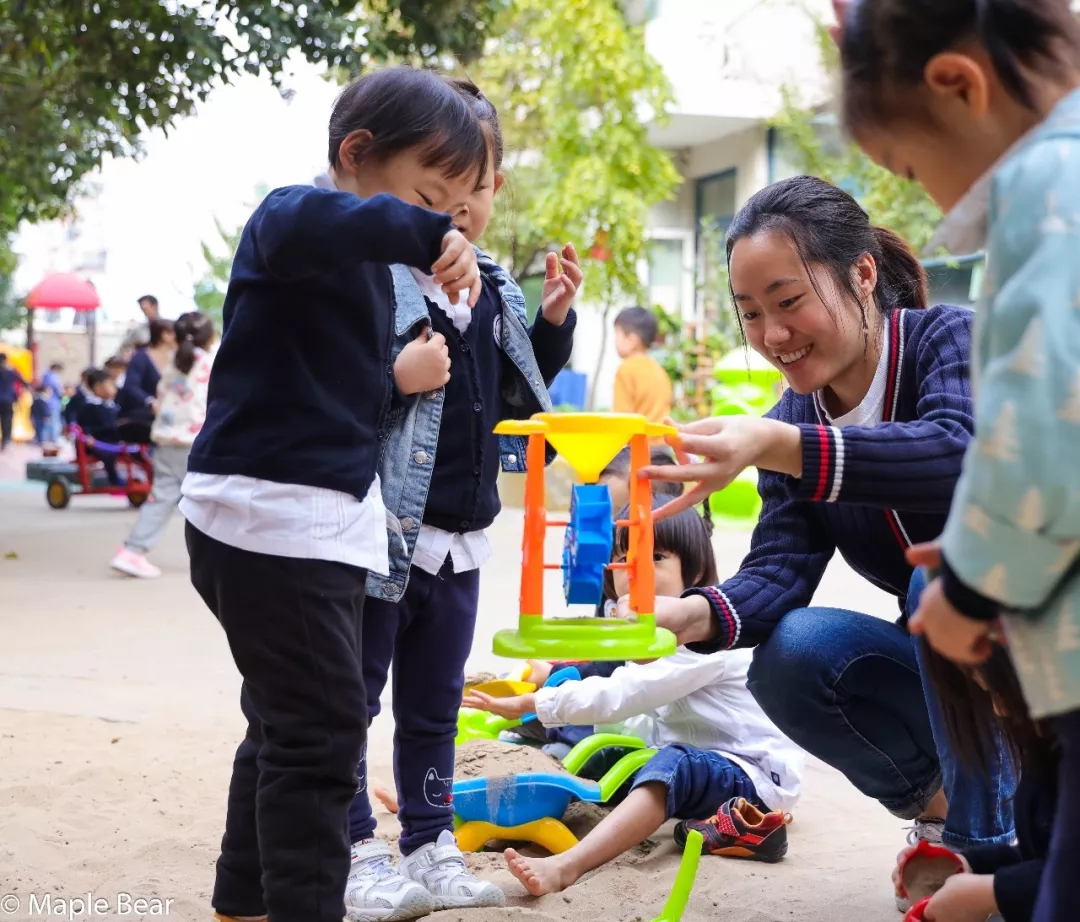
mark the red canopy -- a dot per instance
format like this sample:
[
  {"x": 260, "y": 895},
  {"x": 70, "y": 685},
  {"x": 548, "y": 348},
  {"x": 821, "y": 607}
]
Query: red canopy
[{"x": 62, "y": 289}]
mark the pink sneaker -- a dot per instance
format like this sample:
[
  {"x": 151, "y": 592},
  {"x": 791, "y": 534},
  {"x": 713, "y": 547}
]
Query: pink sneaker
[{"x": 134, "y": 565}]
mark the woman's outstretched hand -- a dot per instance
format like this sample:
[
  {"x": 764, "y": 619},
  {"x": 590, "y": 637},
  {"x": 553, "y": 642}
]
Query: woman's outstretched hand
[
  {"x": 689, "y": 619},
  {"x": 727, "y": 445}
]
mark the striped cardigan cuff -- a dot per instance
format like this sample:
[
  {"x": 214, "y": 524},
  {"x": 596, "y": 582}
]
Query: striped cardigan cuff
[
  {"x": 822, "y": 463},
  {"x": 724, "y": 617}
]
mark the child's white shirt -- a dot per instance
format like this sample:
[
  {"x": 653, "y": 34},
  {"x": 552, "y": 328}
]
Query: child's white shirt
[{"x": 691, "y": 699}]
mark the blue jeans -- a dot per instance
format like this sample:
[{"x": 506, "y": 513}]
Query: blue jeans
[
  {"x": 698, "y": 782},
  {"x": 848, "y": 689}
]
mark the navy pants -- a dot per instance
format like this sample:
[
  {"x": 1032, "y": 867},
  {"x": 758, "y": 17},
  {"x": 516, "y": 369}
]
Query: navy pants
[
  {"x": 698, "y": 782},
  {"x": 848, "y": 689},
  {"x": 427, "y": 637},
  {"x": 1059, "y": 895}
]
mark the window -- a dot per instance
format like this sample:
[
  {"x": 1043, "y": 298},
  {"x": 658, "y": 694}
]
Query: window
[
  {"x": 666, "y": 275},
  {"x": 715, "y": 199},
  {"x": 954, "y": 280}
]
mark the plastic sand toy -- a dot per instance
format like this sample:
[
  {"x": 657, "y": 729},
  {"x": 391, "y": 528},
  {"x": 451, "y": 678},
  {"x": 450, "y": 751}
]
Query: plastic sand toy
[
  {"x": 588, "y": 442},
  {"x": 529, "y": 807},
  {"x": 684, "y": 880}
]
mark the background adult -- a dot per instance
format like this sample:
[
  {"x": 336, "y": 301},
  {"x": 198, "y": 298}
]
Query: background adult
[
  {"x": 861, "y": 454},
  {"x": 137, "y": 399}
]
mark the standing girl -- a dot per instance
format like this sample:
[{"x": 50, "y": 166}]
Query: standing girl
[
  {"x": 138, "y": 395},
  {"x": 181, "y": 412},
  {"x": 978, "y": 102},
  {"x": 440, "y": 465},
  {"x": 282, "y": 497}
]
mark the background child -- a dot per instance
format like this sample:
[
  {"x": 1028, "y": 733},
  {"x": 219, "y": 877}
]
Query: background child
[
  {"x": 979, "y": 103},
  {"x": 181, "y": 400},
  {"x": 439, "y": 469},
  {"x": 282, "y": 497},
  {"x": 977, "y": 704},
  {"x": 736, "y": 751},
  {"x": 41, "y": 415},
  {"x": 97, "y": 417},
  {"x": 641, "y": 384},
  {"x": 78, "y": 397}
]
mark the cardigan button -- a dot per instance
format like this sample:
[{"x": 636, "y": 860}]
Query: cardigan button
[
  {"x": 421, "y": 457},
  {"x": 477, "y": 407}
]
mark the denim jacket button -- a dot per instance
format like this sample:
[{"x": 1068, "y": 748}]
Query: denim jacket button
[
  {"x": 511, "y": 459},
  {"x": 407, "y": 524},
  {"x": 421, "y": 457}
]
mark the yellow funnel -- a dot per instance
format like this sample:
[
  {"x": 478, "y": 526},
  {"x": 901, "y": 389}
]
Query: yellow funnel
[{"x": 588, "y": 441}]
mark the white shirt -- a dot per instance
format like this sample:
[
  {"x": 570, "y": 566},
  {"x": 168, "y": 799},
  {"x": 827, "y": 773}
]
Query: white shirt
[
  {"x": 460, "y": 313},
  {"x": 469, "y": 551},
  {"x": 289, "y": 520},
  {"x": 692, "y": 699},
  {"x": 871, "y": 410}
]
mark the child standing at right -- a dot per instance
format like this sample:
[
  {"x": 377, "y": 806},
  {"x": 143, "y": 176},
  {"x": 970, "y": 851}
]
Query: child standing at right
[
  {"x": 979, "y": 102},
  {"x": 641, "y": 384},
  {"x": 282, "y": 497}
]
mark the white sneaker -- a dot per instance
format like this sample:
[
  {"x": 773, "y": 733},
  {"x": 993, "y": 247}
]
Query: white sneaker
[
  {"x": 376, "y": 891},
  {"x": 440, "y": 868},
  {"x": 134, "y": 565},
  {"x": 927, "y": 829}
]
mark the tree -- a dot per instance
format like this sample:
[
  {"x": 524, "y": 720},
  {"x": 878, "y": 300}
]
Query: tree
[
  {"x": 210, "y": 290},
  {"x": 892, "y": 202},
  {"x": 81, "y": 80},
  {"x": 576, "y": 89}
]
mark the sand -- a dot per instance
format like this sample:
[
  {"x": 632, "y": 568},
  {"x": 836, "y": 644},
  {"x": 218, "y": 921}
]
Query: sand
[{"x": 119, "y": 719}]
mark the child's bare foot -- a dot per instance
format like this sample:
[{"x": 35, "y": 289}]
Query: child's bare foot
[
  {"x": 540, "y": 875},
  {"x": 388, "y": 800}
]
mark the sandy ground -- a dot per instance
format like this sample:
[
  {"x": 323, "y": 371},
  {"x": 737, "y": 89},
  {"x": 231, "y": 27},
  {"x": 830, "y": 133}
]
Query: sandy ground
[{"x": 118, "y": 719}]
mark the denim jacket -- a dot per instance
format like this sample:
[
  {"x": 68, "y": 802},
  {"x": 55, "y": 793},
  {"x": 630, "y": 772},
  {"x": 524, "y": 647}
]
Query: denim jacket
[{"x": 411, "y": 432}]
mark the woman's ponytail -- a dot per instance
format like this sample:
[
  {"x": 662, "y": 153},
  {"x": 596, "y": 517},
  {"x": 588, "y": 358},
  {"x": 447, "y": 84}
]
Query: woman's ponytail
[
  {"x": 194, "y": 330},
  {"x": 901, "y": 277}
]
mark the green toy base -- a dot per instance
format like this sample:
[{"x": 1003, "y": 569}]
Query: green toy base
[{"x": 594, "y": 639}]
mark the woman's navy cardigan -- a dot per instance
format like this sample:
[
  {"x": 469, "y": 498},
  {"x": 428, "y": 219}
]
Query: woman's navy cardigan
[{"x": 869, "y": 492}]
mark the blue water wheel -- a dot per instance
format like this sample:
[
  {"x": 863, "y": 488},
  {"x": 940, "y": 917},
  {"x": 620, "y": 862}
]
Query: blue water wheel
[{"x": 587, "y": 545}]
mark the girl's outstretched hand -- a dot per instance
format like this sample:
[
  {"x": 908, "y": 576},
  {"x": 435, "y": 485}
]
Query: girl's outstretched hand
[
  {"x": 511, "y": 708},
  {"x": 456, "y": 269},
  {"x": 961, "y": 639},
  {"x": 560, "y": 289}
]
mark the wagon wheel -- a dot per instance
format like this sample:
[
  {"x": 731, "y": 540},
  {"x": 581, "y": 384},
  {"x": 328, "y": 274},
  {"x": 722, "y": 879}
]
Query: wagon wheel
[{"x": 58, "y": 493}]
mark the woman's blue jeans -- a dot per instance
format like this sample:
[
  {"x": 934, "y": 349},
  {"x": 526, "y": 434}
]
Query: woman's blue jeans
[{"x": 848, "y": 689}]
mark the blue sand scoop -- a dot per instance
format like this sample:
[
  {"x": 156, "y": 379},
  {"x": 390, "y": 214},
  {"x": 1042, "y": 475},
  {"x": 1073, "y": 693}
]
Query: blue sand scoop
[{"x": 519, "y": 799}]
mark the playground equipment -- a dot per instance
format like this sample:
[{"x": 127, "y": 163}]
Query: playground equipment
[
  {"x": 529, "y": 807},
  {"x": 588, "y": 441},
  {"x": 85, "y": 476},
  {"x": 22, "y": 360},
  {"x": 684, "y": 879}
]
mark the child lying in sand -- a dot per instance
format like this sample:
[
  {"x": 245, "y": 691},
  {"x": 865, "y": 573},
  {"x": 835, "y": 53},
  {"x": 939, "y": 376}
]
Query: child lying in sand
[{"x": 717, "y": 747}]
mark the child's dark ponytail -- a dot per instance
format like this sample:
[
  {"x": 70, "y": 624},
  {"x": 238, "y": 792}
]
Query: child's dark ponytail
[
  {"x": 194, "y": 330},
  {"x": 901, "y": 277},
  {"x": 885, "y": 46}
]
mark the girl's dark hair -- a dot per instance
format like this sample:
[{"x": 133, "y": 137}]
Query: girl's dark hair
[
  {"x": 886, "y": 45},
  {"x": 973, "y": 724},
  {"x": 405, "y": 108},
  {"x": 158, "y": 329},
  {"x": 828, "y": 228},
  {"x": 686, "y": 534},
  {"x": 484, "y": 109},
  {"x": 619, "y": 466},
  {"x": 194, "y": 330}
]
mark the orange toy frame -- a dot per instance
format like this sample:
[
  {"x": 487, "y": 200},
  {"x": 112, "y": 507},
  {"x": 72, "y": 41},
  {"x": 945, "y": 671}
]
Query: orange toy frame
[{"x": 588, "y": 441}]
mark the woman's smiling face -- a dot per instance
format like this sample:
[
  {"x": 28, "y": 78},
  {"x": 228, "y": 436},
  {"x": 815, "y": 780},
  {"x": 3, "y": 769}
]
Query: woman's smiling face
[{"x": 779, "y": 298}]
